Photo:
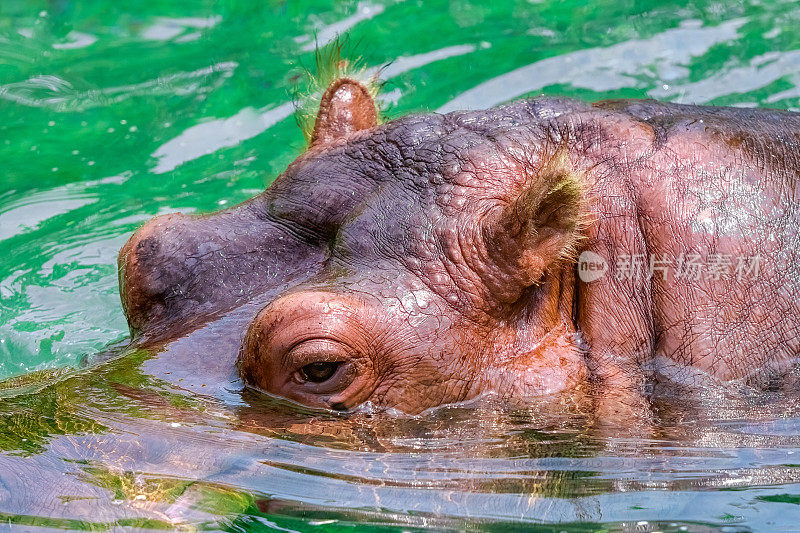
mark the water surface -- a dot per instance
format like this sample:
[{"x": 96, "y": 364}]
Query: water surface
[{"x": 111, "y": 115}]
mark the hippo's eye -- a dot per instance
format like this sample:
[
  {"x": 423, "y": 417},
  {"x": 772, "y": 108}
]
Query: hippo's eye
[{"x": 319, "y": 372}]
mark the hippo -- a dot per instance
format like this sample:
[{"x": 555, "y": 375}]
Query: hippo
[{"x": 540, "y": 249}]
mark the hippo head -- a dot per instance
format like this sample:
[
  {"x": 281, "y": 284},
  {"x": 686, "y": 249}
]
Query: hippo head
[{"x": 409, "y": 264}]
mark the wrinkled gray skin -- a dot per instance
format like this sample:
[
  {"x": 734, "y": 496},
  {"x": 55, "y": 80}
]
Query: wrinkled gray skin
[{"x": 443, "y": 300}]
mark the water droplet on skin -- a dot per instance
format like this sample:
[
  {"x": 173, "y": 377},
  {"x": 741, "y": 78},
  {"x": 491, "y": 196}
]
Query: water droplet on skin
[{"x": 176, "y": 424}]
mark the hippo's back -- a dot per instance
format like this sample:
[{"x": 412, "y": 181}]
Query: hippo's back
[
  {"x": 769, "y": 137},
  {"x": 719, "y": 208}
]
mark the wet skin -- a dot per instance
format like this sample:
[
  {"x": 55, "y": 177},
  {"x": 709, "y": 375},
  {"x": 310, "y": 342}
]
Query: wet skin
[{"x": 433, "y": 258}]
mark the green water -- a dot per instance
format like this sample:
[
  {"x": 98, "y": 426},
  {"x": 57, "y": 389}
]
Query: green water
[{"x": 111, "y": 113}]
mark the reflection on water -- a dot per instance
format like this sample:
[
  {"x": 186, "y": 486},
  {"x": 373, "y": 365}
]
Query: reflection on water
[
  {"x": 121, "y": 447},
  {"x": 604, "y": 69},
  {"x": 208, "y": 137},
  {"x": 323, "y": 34},
  {"x": 762, "y": 71},
  {"x": 111, "y": 115}
]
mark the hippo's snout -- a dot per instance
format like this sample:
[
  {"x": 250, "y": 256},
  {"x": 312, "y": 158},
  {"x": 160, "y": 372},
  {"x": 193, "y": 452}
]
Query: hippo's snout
[{"x": 146, "y": 276}]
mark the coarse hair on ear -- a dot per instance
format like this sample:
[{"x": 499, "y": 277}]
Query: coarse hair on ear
[
  {"x": 340, "y": 98},
  {"x": 538, "y": 229}
]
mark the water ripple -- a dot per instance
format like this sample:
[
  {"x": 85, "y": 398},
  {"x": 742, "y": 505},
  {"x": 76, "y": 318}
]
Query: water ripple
[
  {"x": 761, "y": 72},
  {"x": 60, "y": 95},
  {"x": 602, "y": 69},
  {"x": 326, "y": 34}
]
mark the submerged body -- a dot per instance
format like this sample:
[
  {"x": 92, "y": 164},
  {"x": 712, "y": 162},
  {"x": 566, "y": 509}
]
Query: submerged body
[{"x": 436, "y": 257}]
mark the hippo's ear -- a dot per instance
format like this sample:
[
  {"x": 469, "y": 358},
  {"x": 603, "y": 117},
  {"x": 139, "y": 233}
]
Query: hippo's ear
[
  {"x": 347, "y": 106},
  {"x": 537, "y": 231}
]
